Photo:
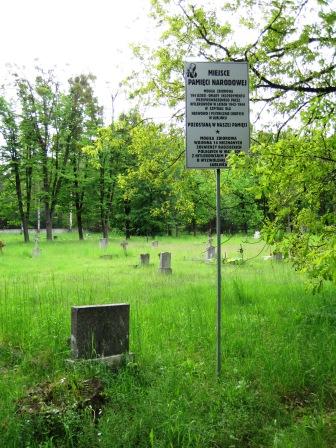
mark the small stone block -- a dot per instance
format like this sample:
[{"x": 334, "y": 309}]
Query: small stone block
[
  {"x": 165, "y": 262},
  {"x": 210, "y": 253},
  {"x": 103, "y": 243},
  {"x": 144, "y": 259},
  {"x": 106, "y": 257},
  {"x": 99, "y": 330},
  {"x": 36, "y": 252}
]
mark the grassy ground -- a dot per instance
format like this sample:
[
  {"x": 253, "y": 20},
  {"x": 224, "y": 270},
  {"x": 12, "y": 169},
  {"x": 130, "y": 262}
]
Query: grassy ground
[{"x": 277, "y": 388}]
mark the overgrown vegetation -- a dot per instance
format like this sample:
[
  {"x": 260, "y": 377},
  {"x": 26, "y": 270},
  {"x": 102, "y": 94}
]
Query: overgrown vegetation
[
  {"x": 60, "y": 166},
  {"x": 278, "y": 380}
]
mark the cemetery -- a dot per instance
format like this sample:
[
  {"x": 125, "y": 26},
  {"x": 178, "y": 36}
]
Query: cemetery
[
  {"x": 168, "y": 224},
  {"x": 88, "y": 343}
]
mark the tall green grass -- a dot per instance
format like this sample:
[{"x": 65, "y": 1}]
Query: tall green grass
[{"x": 277, "y": 387}]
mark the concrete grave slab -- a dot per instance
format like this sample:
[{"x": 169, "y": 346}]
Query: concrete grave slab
[
  {"x": 144, "y": 259},
  {"x": 165, "y": 263},
  {"x": 99, "y": 330}
]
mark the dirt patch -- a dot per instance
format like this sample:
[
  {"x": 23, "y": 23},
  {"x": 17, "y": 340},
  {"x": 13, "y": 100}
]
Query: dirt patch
[{"x": 53, "y": 408}]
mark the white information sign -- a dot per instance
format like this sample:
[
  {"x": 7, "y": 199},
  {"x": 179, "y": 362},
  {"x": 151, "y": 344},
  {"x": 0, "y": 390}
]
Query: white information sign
[{"x": 217, "y": 112}]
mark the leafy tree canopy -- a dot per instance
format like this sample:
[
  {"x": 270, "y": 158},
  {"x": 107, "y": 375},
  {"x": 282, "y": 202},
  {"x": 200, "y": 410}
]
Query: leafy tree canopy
[{"x": 289, "y": 45}]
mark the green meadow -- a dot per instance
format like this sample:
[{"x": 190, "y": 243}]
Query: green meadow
[{"x": 278, "y": 382}]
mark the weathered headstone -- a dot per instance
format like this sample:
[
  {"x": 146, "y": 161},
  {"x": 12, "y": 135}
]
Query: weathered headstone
[
  {"x": 155, "y": 243},
  {"x": 2, "y": 245},
  {"x": 124, "y": 245},
  {"x": 241, "y": 251},
  {"x": 106, "y": 257},
  {"x": 103, "y": 243},
  {"x": 210, "y": 253},
  {"x": 165, "y": 263},
  {"x": 257, "y": 235},
  {"x": 144, "y": 259},
  {"x": 99, "y": 330},
  {"x": 36, "y": 249}
]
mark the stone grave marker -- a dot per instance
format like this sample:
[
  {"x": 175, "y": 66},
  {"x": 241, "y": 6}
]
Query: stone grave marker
[
  {"x": 144, "y": 259},
  {"x": 100, "y": 331},
  {"x": 241, "y": 251},
  {"x": 106, "y": 257},
  {"x": 155, "y": 244},
  {"x": 103, "y": 243},
  {"x": 2, "y": 245},
  {"x": 257, "y": 235},
  {"x": 124, "y": 245},
  {"x": 165, "y": 263},
  {"x": 36, "y": 249},
  {"x": 210, "y": 253},
  {"x": 277, "y": 256}
]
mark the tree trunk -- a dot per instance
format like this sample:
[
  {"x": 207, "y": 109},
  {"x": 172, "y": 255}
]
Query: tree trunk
[
  {"x": 38, "y": 218},
  {"x": 23, "y": 215},
  {"x": 194, "y": 227},
  {"x": 105, "y": 228},
  {"x": 70, "y": 220},
  {"x": 25, "y": 228},
  {"x": 80, "y": 224},
  {"x": 127, "y": 230},
  {"x": 48, "y": 219},
  {"x": 127, "y": 209}
]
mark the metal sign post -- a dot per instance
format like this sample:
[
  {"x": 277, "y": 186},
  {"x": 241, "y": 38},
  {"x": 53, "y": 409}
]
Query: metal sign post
[
  {"x": 217, "y": 123},
  {"x": 219, "y": 276}
]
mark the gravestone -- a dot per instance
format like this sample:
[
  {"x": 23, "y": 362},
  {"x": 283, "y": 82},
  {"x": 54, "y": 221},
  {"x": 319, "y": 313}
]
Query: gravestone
[
  {"x": 124, "y": 245},
  {"x": 99, "y": 330},
  {"x": 165, "y": 263},
  {"x": 2, "y": 245},
  {"x": 144, "y": 259},
  {"x": 103, "y": 243},
  {"x": 210, "y": 253},
  {"x": 241, "y": 251},
  {"x": 36, "y": 249},
  {"x": 106, "y": 257},
  {"x": 277, "y": 256},
  {"x": 256, "y": 235},
  {"x": 155, "y": 243}
]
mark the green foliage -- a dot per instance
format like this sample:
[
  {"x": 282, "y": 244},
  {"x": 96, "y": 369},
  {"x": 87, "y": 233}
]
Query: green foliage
[
  {"x": 290, "y": 51},
  {"x": 296, "y": 176},
  {"x": 58, "y": 411},
  {"x": 289, "y": 48}
]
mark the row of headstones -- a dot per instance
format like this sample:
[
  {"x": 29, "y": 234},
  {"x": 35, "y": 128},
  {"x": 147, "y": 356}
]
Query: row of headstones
[
  {"x": 101, "y": 332},
  {"x": 165, "y": 262},
  {"x": 103, "y": 243}
]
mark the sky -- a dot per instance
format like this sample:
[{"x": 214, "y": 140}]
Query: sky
[{"x": 76, "y": 36}]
